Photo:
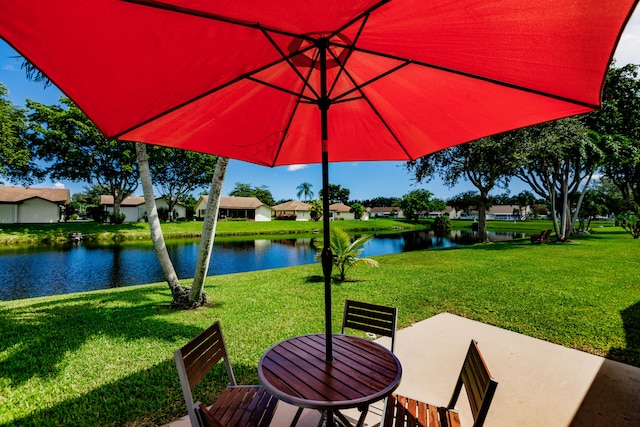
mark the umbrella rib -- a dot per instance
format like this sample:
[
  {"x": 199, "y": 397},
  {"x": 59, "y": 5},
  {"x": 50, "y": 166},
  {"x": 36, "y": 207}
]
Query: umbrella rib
[
  {"x": 471, "y": 75},
  {"x": 198, "y": 97},
  {"x": 349, "y": 52},
  {"x": 373, "y": 108},
  {"x": 282, "y": 89},
  {"x": 358, "y": 87},
  {"x": 290, "y": 121},
  {"x": 288, "y": 59}
]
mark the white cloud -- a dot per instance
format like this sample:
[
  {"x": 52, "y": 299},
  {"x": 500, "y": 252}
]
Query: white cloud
[
  {"x": 10, "y": 67},
  {"x": 58, "y": 185},
  {"x": 628, "y": 50},
  {"x": 293, "y": 168}
]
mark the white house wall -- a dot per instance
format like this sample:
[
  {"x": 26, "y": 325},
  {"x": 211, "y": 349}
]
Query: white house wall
[
  {"x": 132, "y": 214},
  {"x": 38, "y": 211},
  {"x": 263, "y": 213},
  {"x": 8, "y": 213}
]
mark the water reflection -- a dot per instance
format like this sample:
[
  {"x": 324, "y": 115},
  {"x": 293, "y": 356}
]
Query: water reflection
[{"x": 39, "y": 271}]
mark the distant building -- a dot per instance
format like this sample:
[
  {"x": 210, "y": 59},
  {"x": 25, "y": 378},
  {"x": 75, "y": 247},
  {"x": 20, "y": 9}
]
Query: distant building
[
  {"x": 134, "y": 208},
  {"x": 20, "y": 205},
  {"x": 386, "y": 212},
  {"x": 250, "y": 208},
  {"x": 499, "y": 213},
  {"x": 339, "y": 211},
  {"x": 293, "y": 210}
]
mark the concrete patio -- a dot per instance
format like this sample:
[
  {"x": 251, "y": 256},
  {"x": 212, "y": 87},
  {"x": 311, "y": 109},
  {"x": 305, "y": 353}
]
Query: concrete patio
[{"x": 540, "y": 383}]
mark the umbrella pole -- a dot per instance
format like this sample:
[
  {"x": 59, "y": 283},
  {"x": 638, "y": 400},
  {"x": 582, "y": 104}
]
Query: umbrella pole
[{"x": 327, "y": 257}]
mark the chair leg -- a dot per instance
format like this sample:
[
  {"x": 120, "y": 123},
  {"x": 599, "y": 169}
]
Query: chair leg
[{"x": 296, "y": 418}]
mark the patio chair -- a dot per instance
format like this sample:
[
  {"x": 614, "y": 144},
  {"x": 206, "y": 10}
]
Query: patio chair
[
  {"x": 479, "y": 386},
  {"x": 370, "y": 318},
  {"x": 237, "y": 405}
]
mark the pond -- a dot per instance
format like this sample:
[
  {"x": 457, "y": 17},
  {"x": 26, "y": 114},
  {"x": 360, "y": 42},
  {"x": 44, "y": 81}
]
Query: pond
[{"x": 45, "y": 270}]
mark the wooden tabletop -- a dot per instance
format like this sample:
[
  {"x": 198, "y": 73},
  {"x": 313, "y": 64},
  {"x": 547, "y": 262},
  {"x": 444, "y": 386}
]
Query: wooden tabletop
[{"x": 362, "y": 372}]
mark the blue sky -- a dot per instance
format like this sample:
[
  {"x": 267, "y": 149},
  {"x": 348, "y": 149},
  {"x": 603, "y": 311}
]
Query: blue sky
[{"x": 365, "y": 180}]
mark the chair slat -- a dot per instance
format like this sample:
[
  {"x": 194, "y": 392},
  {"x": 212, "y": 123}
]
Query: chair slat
[
  {"x": 376, "y": 319},
  {"x": 480, "y": 386},
  {"x": 247, "y": 406}
]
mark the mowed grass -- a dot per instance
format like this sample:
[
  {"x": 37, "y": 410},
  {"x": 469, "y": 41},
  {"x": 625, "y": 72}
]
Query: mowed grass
[
  {"x": 33, "y": 234},
  {"x": 105, "y": 358}
]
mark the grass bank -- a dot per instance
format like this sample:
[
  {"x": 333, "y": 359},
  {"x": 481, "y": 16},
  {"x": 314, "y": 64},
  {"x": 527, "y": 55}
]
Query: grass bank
[
  {"x": 104, "y": 358},
  {"x": 35, "y": 234}
]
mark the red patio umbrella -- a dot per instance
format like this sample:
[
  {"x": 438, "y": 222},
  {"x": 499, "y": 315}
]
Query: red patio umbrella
[{"x": 290, "y": 81}]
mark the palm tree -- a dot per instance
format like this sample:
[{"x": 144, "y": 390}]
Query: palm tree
[
  {"x": 346, "y": 252},
  {"x": 304, "y": 189}
]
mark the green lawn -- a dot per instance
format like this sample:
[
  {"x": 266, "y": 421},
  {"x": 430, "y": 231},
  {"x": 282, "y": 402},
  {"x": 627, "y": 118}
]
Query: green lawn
[
  {"x": 31, "y": 234},
  {"x": 105, "y": 357}
]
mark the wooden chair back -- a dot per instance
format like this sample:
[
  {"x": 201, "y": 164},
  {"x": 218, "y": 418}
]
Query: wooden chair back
[
  {"x": 195, "y": 359},
  {"x": 372, "y": 318},
  {"x": 478, "y": 383}
]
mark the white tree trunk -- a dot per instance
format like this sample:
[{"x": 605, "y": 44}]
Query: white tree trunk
[
  {"x": 154, "y": 225},
  {"x": 208, "y": 230}
]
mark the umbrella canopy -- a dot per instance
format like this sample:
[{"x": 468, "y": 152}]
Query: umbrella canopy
[{"x": 288, "y": 82}]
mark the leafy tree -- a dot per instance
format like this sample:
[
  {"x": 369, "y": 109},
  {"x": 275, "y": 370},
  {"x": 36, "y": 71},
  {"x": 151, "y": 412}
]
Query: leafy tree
[
  {"x": 189, "y": 202},
  {"x": 630, "y": 223},
  {"x": 316, "y": 210},
  {"x": 381, "y": 202},
  {"x": 618, "y": 122},
  {"x": 558, "y": 161},
  {"x": 337, "y": 194},
  {"x": 262, "y": 193},
  {"x": 611, "y": 196},
  {"x": 415, "y": 202},
  {"x": 594, "y": 204},
  {"x": 77, "y": 151},
  {"x": 357, "y": 209},
  {"x": 177, "y": 173},
  {"x": 465, "y": 202},
  {"x": 304, "y": 190},
  {"x": 16, "y": 158},
  {"x": 486, "y": 163},
  {"x": 345, "y": 252}
]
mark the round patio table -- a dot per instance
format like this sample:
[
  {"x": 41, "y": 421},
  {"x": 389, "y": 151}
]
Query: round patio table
[{"x": 361, "y": 372}]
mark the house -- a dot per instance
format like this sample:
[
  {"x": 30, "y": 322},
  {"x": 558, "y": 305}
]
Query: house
[
  {"x": 508, "y": 212},
  {"x": 449, "y": 211},
  {"x": 20, "y": 205},
  {"x": 499, "y": 213},
  {"x": 293, "y": 210},
  {"x": 250, "y": 208},
  {"x": 386, "y": 212},
  {"x": 134, "y": 209},
  {"x": 340, "y": 212}
]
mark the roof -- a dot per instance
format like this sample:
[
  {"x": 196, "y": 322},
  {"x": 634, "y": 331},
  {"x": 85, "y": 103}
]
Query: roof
[
  {"x": 292, "y": 205},
  {"x": 233, "y": 202},
  {"x": 128, "y": 201},
  {"x": 385, "y": 209},
  {"x": 20, "y": 194},
  {"x": 339, "y": 207},
  {"x": 503, "y": 209}
]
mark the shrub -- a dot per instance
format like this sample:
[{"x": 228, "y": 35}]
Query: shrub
[
  {"x": 442, "y": 225},
  {"x": 116, "y": 218},
  {"x": 630, "y": 224}
]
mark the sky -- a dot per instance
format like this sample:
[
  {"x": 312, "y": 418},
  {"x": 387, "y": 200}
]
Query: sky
[{"x": 365, "y": 180}]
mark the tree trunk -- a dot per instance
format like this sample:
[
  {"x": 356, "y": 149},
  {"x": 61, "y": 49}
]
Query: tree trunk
[
  {"x": 483, "y": 235},
  {"x": 208, "y": 230},
  {"x": 180, "y": 295}
]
